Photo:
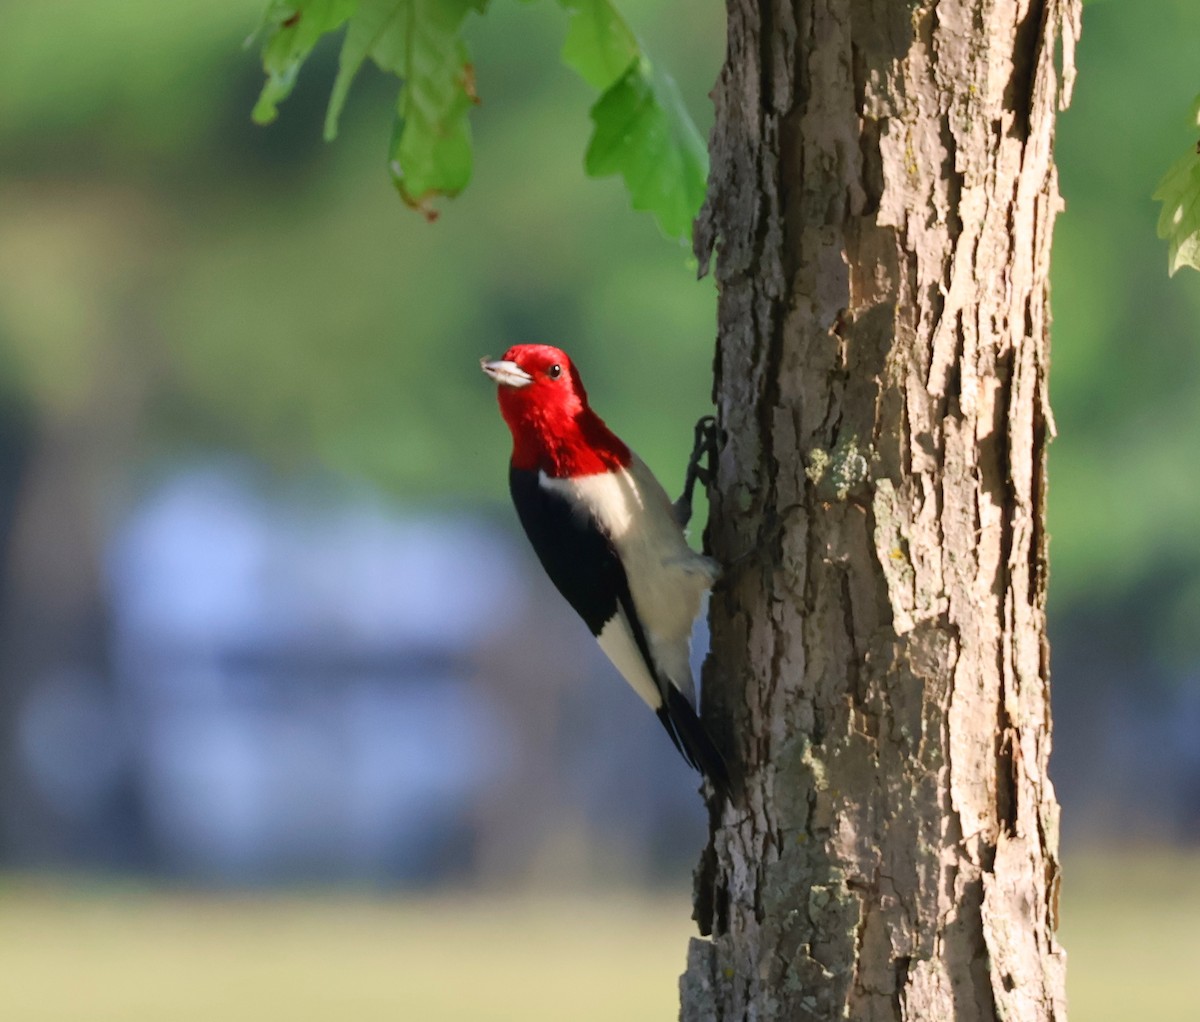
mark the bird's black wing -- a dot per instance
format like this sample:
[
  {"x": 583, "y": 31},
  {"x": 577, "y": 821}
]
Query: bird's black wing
[
  {"x": 584, "y": 566},
  {"x": 575, "y": 552}
]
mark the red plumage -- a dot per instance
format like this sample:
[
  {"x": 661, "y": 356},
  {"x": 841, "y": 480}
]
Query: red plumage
[{"x": 554, "y": 429}]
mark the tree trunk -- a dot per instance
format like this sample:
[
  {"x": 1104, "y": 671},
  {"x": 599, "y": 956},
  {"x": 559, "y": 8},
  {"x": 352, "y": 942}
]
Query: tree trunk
[{"x": 882, "y": 191}]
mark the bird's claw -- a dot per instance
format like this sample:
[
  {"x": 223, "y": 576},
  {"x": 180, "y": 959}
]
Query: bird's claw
[{"x": 701, "y": 466}]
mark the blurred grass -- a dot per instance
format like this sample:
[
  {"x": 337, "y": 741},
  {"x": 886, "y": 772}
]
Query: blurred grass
[
  {"x": 1131, "y": 927},
  {"x": 107, "y": 953}
]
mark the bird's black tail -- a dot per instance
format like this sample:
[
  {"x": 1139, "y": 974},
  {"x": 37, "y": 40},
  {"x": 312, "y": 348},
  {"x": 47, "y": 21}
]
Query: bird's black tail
[{"x": 693, "y": 741}]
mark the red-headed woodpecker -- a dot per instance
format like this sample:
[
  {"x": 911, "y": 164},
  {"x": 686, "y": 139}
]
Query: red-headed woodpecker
[{"x": 608, "y": 537}]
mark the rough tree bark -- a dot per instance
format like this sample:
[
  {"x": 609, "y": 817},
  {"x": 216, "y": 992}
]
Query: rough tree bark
[{"x": 882, "y": 195}]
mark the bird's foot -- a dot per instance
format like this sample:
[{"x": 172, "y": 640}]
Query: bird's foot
[{"x": 702, "y": 466}]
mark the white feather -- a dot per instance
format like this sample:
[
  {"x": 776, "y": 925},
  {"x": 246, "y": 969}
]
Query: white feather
[
  {"x": 667, "y": 578},
  {"x": 617, "y": 641}
]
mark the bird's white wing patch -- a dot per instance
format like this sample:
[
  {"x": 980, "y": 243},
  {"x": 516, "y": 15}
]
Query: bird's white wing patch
[
  {"x": 667, "y": 579},
  {"x": 611, "y": 499},
  {"x": 619, "y": 645}
]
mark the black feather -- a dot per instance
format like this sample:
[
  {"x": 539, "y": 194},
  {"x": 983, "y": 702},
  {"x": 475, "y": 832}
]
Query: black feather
[
  {"x": 692, "y": 739},
  {"x": 584, "y": 566},
  {"x": 579, "y": 559}
]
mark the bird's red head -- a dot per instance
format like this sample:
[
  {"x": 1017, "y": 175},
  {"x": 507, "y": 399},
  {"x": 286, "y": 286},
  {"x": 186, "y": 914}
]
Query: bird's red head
[{"x": 543, "y": 401}]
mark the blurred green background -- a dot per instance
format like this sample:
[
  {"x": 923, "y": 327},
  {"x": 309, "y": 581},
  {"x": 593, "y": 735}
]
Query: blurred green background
[{"x": 235, "y": 370}]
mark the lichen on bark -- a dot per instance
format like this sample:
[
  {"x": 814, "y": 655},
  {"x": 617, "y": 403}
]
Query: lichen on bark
[{"x": 881, "y": 201}]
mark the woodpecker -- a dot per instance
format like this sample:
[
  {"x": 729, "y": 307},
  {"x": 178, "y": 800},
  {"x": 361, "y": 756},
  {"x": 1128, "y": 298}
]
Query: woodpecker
[{"x": 609, "y": 538}]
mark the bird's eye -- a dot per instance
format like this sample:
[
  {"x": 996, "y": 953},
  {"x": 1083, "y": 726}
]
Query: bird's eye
[{"x": 555, "y": 371}]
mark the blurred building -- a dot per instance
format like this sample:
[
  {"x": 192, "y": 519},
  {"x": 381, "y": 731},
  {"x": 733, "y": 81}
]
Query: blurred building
[{"x": 308, "y": 684}]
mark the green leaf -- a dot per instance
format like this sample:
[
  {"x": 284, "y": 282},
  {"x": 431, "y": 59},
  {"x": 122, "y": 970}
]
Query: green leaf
[
  {"x": 641, "y": 129},
  {"x": 599, "y": 46},
  {"x": 419, "y": 41},
  {"x": 1179, "y": 193},
  {"x": 1179, "y": 221},
  {"x": 293, "y": 28},
  {"x": 378, "y": 31},
  {"x": 430, "y": 153},
  {"x": 643, "y": 132}
]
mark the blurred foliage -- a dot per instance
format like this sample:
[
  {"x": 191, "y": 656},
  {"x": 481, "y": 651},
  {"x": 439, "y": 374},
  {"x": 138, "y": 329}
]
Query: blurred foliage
[
  {"x": 642, "y": 128},
  {"x": 229, "y": 286},
  {"x": 1124, "y": 492},
  {"x": 259, "y": 290}
]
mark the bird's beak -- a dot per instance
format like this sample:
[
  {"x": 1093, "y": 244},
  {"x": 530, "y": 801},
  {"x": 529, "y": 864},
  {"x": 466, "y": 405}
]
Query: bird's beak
[{"x": 507, "y": 374}]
